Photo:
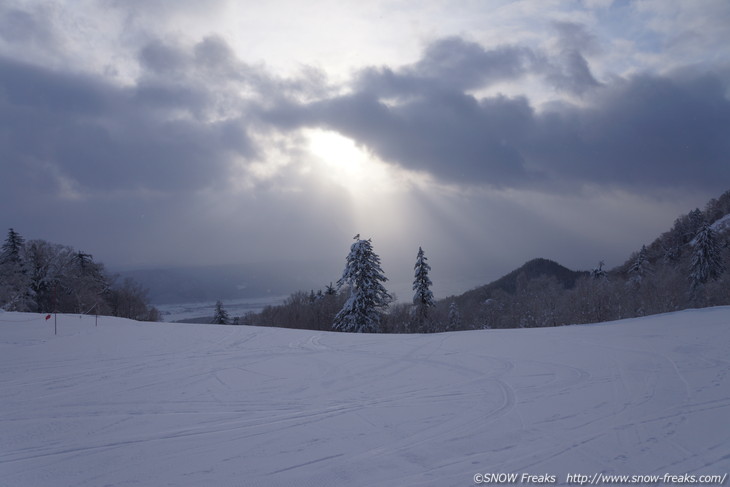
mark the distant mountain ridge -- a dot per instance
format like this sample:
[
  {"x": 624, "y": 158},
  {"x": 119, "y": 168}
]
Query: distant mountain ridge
[{"x": 530, "y": 270}]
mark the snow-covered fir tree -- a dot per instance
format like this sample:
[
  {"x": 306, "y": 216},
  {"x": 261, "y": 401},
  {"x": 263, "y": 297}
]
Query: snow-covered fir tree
[
  {"x": 640, "y": 267},
  {"x": 220, "y": 317},
  {"x": 454, "y": 317},
  {"x": 368, "y": 296},
  {"x": 706, "y": 258},
  {"x": 12, "y": 248},
  {"x": 423, "y": 298},
  {"x": 15, "y": 291}
]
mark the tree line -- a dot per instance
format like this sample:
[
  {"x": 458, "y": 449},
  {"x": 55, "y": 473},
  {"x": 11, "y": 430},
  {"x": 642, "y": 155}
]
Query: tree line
[
  {"x": 683, "y": 268},
  {"x": 43, "y": 277}
]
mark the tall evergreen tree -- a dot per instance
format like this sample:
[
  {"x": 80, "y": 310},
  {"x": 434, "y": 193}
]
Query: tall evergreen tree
[
  {"x": 221, "y": 315},
  {"x": 368, "y": 297},
  {"x": 706, "y": 259},
  {"x": 12, "y": 248},
  {"x": 15, "y": 291},
  {"x": 454, "y": 317},
  {"x": 422, "y": 283},
  {"x": 423, "y": 298}
]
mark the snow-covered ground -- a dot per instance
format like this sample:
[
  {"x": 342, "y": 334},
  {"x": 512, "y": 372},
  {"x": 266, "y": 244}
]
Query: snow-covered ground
[{"x": 126, "y": 403}]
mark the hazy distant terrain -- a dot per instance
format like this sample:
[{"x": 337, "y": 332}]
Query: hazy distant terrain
[
  {"x": 199, "y": 284},
  {"x": 183, "y": 285},
  {"x": 203, "y": 311}
]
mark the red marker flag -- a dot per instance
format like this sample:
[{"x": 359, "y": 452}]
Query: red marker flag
[{"x": 48, "y": 317}]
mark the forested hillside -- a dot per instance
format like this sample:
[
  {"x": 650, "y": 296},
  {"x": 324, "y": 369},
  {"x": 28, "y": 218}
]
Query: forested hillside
[
  {"x": 43, "y": 277},
  {"x": 665, "y": 275}
]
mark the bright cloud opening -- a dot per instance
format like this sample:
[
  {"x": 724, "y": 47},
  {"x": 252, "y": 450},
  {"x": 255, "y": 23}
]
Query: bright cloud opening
[{"x": 347, "y": 165}]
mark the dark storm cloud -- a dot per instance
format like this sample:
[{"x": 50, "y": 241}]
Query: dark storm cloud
[
  {"x": 103, "y": 137},
  {"x": 182, "y": 125},
  {"x": 209, "y": 71},
  {"x": 449, "y": 134},
  {"x": 215, "y": 54},
  {"x": 158, "y": 57},
  {"x": 463, "y": 65},
  {"x": 34, "y": 88},
  {"x": 453, "y": 64},
  {"x": 647, "y": 131},
  {"x": 450, "y": 64}
]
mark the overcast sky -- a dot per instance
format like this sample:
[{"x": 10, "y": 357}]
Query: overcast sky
[{"x": 189, "y": 132}]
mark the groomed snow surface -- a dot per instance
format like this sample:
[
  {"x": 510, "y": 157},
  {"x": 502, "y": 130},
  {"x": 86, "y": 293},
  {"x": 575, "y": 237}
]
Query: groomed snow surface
[{"x": 152, "y": 404}]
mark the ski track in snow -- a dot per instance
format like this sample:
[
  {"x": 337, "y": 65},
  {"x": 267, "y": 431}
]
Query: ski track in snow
[{"x": 129, "y": 403}]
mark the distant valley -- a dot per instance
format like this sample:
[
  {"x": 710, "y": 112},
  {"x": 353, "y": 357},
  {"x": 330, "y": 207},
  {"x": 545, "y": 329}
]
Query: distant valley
[{"x": 177, "y": 285}]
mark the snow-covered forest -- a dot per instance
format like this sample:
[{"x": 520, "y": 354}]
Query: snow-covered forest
[{"x": 43, "y": 277}]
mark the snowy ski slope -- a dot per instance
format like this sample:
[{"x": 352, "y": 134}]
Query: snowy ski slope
[{"x": 144, "y": 404}]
